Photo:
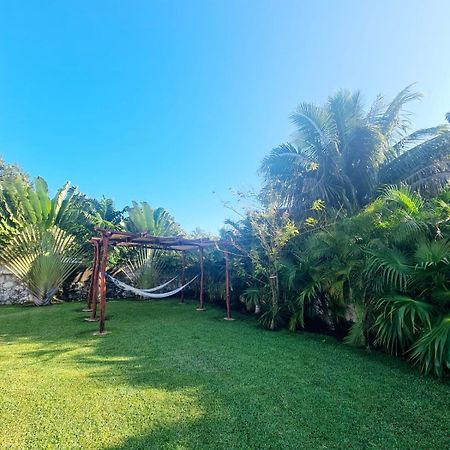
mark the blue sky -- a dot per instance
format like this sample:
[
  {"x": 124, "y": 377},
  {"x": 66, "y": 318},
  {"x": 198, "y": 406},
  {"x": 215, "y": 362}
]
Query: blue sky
[{"x": 176, "y": 102}]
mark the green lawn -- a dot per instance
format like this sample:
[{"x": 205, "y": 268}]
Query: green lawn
[{"x": 169, "y": 377}]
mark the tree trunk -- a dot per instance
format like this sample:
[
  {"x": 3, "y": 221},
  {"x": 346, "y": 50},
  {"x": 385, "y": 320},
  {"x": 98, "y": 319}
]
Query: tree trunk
[{"x": 273, "y": 283}]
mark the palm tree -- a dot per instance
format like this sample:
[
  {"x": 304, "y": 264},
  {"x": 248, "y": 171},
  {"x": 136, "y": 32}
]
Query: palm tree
[
  {"x": 413, "y": 313},
  {"x": 143, "y": 218},
  {"x": 105, "y": 215},
  {"x": 143, "y": 266},
  {"x": 43, "y": 239},
  {"x": 407, "y": 273},
  {"x": 342, "y": 154}
]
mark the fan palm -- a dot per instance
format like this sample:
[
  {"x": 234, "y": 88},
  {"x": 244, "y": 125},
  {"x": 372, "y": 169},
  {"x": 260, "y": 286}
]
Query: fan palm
[
  {"x": 143, "y": 266},
  {"x": 412, "y": 311},
  {"x": 42, "y": 259},
  {"x": 144, "y": 219},
  {"x": 432, "y": 351},
  {"x": 42, "y": 238}
]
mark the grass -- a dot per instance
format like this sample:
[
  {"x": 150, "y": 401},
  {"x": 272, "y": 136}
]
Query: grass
[{"x": 169, "y": 377}]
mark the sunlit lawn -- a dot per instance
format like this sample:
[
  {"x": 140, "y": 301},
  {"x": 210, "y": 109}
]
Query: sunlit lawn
[{"x": 171, "y": 377}]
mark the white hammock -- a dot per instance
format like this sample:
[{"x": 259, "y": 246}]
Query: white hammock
[
  {"x": 145, "y": 293},
  {"x": 157, "y": 288}
]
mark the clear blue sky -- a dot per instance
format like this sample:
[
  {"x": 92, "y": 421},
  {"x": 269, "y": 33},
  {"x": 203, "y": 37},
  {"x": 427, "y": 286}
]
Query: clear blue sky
[{"x": 171, "y": 101}]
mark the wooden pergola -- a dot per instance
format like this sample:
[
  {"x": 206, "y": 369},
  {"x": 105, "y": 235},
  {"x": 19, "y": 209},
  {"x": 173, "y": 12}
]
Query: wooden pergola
[{"x": 107, "y": 238}]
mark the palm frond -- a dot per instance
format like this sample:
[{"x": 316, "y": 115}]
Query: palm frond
[
  {"x": 410, "y": 165},
  {"x": 418, "y": 137},
  {"x": 143, "y": 218},
  {"x": 316, "y": 127},
  {"x": 395, "y": 120},
  {"x": 431, "y": 352},
  {"x": 42, "y": 259},
  {"x": 403, "y": 197},
  {"x": 388, "y": 268},
  {"x": 285, "y": 161},
  {"x": 376, "y": 110},
  {"x": 347, "y": 111},
  {"x": 252, "y": 298},
  {"x": 356, "y": 336},
  {"x": 432, "y": 253},
  {"x": 400, "y": 319}
]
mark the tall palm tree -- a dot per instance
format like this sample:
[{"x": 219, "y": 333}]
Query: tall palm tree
[{"x": 342, "y": 153}]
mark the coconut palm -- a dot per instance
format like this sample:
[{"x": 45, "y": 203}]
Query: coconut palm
[{"x": 342, "y": 154}]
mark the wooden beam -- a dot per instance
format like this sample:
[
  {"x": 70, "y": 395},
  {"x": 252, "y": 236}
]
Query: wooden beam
[{"x": 144, "y": 238}]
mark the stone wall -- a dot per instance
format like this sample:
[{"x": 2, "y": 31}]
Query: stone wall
[
  {"x": 77, "y": 289},
  {"x": 12, "y": 291}
]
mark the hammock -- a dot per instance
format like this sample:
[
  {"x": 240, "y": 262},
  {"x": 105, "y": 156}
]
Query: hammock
[
  {"x": 157, "y": 288},
  {"x": 145, "y": 293}
]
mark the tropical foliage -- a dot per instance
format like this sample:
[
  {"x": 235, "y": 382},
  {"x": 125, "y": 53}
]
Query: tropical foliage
[
  {"x": 144, "y": 266},
  {"x": 270, "y": 233},
  {"x": 349, "y": 234},
  {"x": 369, "y": 199},
  {"x": 42, "y": 238},
  {"x": 343, "y": 153}
]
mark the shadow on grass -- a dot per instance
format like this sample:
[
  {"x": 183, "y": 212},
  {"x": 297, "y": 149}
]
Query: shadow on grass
[{"x": 247, "y": 387}]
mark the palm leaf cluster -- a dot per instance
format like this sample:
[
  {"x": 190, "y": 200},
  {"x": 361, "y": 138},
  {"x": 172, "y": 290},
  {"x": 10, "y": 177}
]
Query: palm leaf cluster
[
  {"x": 43, "y": 238},
  {"x": 143, "y": 266},
  {"x": 342, "y": 154},
  {"x": 412, "y": 317},
  {"x": 407, "y": 272},
  {"x": 381, "y": 276},
  {"x": 43, "y": 259},
  {"x": 103, "y": 214}
]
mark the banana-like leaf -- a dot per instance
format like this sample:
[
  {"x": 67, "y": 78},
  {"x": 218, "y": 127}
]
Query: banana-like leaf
[{"x": 42, "y": 259}]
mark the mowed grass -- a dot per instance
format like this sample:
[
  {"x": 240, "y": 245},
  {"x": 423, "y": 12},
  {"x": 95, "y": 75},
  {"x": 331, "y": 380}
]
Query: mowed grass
[{"x": 169, "y": 377}]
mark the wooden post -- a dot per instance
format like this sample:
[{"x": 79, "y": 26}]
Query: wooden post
[
  {"x": 94, "y": 298},
  {"x": 105, "y": 244},
  {"x": 183, "y": 274},
  {"x": 200, "y": 307},
  {"x": 227, "y": 286},
  {"x": 91, "y": 285}
]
